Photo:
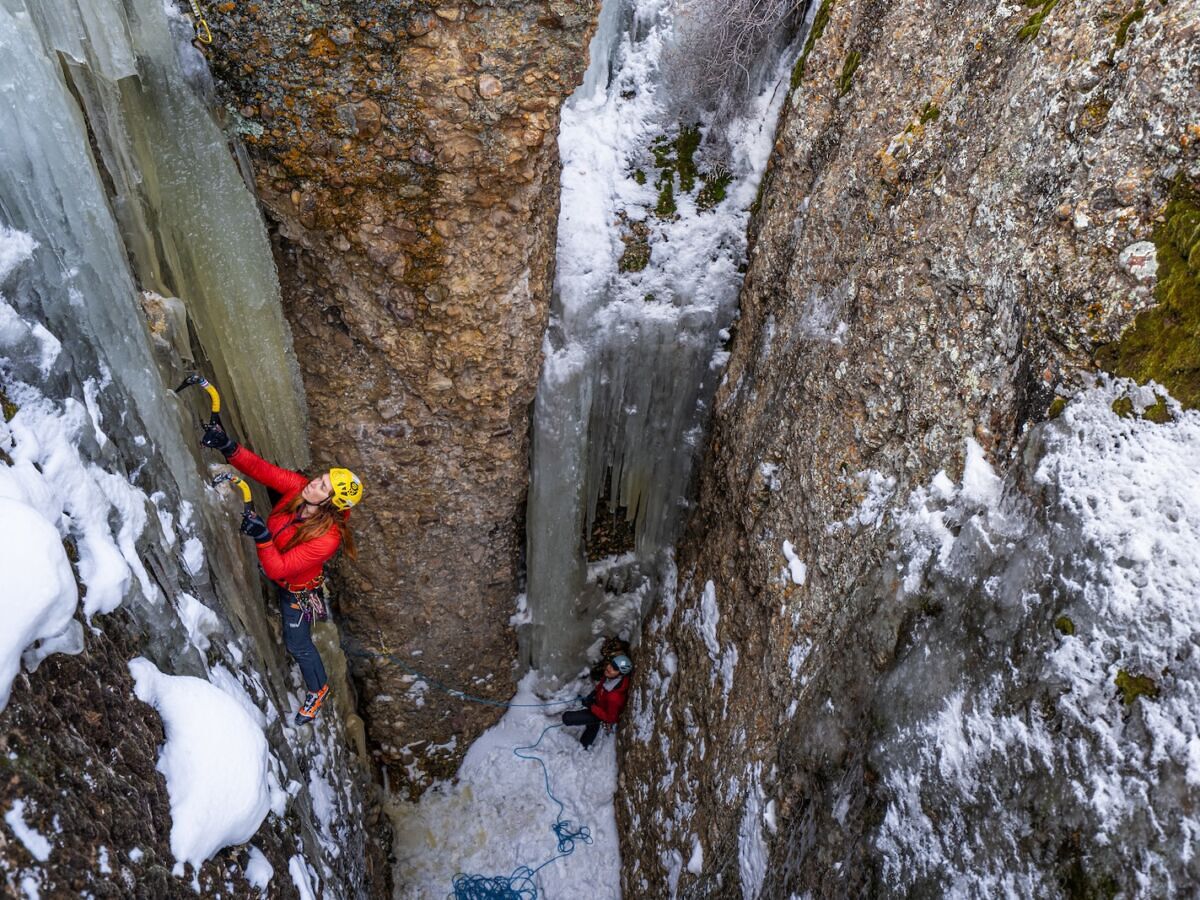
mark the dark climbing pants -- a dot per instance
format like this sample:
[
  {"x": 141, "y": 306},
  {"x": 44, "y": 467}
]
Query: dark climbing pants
[
  {"x": 297, "y": 637},
  {"x": 588, "y": 719}
]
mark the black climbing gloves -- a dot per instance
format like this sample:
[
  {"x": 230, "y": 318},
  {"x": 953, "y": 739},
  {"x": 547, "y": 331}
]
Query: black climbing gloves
[
  {"x": 255, "y": 527},
  {"x": 214, "y": 436}
]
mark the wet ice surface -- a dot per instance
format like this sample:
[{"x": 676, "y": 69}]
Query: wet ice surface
[
  {"x": 1012, "y": 762},
  {"x": 496, "y": 816}
]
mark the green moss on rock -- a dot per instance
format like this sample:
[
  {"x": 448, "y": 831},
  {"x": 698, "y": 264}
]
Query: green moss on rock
[
  {"x": 1095, "y": 116},
  {"x": 636, "y": 256},
  {"x": 1056, "y": 407},
  {"x": 820, "y": 21},
  {"x": 7, "y": 406},
  {"x": 930, "y": 113},
  {"x": 686, "y": 145},
  {"x": 1135, "y": 15},
  {"x": 639, "y": 176},
  {"x": 1163, "y": 343},
  {"x": 665, "y": 208},
  {"x": 663, "y": 158},
  {"x": 1159, "y": 413},
  {"x": 1065, "y": 625},
  {"x": 1033, "y": 24},
  {"x": 714, "y": 189},
  {"x": 849, "y": 67},
  {"x": 1134, "y": 686},
  {"x": 1123, "y": 407}
]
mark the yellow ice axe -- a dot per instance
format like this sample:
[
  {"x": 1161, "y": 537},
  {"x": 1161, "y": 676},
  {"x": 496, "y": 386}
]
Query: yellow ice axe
[
  {"x": 213, "y": 396},
  {"x": 247, "y": 502}
]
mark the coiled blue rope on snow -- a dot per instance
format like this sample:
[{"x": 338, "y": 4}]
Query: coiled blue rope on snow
[{"x": 520, "y": 884}]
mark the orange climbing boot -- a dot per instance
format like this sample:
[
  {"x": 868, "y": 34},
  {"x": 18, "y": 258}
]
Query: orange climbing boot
[{"x": 312, "y": 703}]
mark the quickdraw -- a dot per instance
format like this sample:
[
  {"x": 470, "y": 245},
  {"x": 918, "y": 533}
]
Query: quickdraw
[{"x": 203, "y": 33}]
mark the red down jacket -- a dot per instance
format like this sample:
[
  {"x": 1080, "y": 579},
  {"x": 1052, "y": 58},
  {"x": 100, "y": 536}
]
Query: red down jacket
[
  {"x": 301, "y": 566},
  {"x": 608, "y": 704}
]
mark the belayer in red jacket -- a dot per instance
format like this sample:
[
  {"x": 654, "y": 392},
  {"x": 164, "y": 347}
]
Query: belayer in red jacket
[
  {"x": 604, "y": 704},
  {"x": 306, "y": 528}
]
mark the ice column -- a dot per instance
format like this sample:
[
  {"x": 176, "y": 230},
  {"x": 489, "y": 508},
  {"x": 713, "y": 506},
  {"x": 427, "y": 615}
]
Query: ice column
[
  {"x": 191, "y": 227},
  {"x": 634, "y": 349},
  {"x": 79, "y": 282}
]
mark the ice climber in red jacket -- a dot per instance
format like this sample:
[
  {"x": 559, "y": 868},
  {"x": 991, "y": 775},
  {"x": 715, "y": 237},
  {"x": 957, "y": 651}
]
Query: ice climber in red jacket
[
  {"x": 604, "y": 704},
  {"x": 306, "y": 528}
]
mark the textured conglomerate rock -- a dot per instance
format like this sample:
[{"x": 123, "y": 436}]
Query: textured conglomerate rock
[
  {"x": 962, "y": 207},
  {"x": 406, "y": 154}
]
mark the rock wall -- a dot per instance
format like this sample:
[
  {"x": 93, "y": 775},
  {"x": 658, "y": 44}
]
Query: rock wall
[
  {"x": 966, "y": 201},
  {"x": 405, "y": 154}
]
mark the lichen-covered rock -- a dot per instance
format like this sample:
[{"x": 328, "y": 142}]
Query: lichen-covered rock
[
  {"x": 955, "y": 220},
  {"x": 406, "y": 154}
]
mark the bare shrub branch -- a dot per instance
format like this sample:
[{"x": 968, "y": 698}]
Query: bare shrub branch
[{"x": 722, "y": 48}]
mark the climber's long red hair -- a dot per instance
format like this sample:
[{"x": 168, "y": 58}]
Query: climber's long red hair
[{"x": 318, "y": 523}]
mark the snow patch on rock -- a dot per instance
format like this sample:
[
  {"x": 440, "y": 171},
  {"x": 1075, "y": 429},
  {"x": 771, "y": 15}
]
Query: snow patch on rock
[
  {"x": 37, "y": 845},
  {"x": 215, "y": 761},
  {"x": 39, "y": 596}
]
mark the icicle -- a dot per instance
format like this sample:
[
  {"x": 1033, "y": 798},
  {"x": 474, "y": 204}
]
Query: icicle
[
  {"x": 78, "y": 283},
  {"x": 635, "y": 351}
]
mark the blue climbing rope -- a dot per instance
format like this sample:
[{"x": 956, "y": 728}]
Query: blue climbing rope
[
  {"x": 520, "y": 884},
  {"x": 445, "y": 688}
]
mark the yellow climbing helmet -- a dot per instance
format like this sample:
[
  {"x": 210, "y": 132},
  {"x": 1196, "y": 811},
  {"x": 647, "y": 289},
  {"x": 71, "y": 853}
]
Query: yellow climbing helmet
[{"x": 347, "y": 489}]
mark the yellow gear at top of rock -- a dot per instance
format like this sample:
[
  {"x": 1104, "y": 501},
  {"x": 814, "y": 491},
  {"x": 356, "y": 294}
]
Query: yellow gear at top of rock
[{"x": 203, "y": 32}]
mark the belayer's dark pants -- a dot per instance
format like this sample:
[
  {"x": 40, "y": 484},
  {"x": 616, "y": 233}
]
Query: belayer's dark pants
[
  {"x": 297, "y": 637},
  {"x": 588, "y": 719}
]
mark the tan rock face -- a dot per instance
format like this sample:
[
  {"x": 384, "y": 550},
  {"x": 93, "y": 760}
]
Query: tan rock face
[
  {"x": 937, "y": 253},
  {"x": 407, "y": 158}
]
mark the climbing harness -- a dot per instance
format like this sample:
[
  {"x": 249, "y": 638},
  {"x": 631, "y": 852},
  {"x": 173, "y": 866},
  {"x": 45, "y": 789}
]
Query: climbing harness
[
  {"x": 520, "y": 884},
  {"x": 203, "y": 33},
  {"x": 313, "y": 603},
  {"x": 434, "y": 683}
]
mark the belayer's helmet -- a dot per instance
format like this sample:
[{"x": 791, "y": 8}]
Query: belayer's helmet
[
  {"x": 347, "y": 489},
  {"x": 622, "y": 664}
]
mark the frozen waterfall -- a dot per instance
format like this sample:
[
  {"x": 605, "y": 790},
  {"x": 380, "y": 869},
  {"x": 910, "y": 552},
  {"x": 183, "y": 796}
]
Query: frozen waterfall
[
  {"x": 123, "y": 78},
  {"x": 651, "y": 239},
  {"x": 162, "y": 207}
]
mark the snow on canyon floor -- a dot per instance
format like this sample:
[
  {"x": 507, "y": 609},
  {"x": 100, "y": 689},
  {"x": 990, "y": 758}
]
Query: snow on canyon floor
[{"x": 496, "y": 816}]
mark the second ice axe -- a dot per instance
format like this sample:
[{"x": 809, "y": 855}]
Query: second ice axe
[{"x": 247, "y": 502}]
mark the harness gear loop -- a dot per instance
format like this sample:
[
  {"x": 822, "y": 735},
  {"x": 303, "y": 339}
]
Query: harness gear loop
[
  {"x": 313, "y": 602},
  {"x": 203, "y": 33}
]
